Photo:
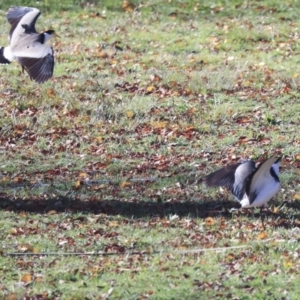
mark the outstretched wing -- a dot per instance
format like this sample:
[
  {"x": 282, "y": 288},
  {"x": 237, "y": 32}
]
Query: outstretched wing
[
  {"x": 28, "y": 15},
  {"x": 232, "y": 177},
  {"x": 39, "y": 69},
  {"x": 222, "y": 177}
]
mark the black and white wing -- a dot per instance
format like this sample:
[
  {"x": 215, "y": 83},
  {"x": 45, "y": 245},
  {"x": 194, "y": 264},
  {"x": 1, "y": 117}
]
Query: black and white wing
[
  {"x": 222, "y": 177},
  {"x": 232, "y": 177},
  {"x": 39, "y": 69},
  {"x": 241, "y": 176},
  {"x": 28, "y": 15},
  {"x": 36, "y": 58}
]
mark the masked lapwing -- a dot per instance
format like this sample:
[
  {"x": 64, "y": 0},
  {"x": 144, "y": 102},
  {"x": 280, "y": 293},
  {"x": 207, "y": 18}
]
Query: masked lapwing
[
  {"x": 28, "y": 46},
  {"x": 251, "y": 186}
]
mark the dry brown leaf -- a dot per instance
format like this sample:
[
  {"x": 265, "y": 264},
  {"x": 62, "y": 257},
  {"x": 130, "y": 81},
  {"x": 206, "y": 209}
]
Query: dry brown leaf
[
  {"x": 98, "y": 139},
  {"x": 297, "y": 197},
  {"x": 5, "y": 179},
  {"x": 155, "y": 77},
  {"x": 83, "y": 175},
  {"x": 77, "y": 184},
  {"x": 209, "y": 221},
  {"x": 35, "y": 250},
  {"x": 102, "y": 54},
  {"x": 288, "y": 264},
  {"x": 113, "y": 224},
  {"x": 230, "y": 256},
  {"x": 125, "y": 184},
  {"x": 150, "y": 88},
  {"x": 130, "y": 114},
  {"x": 18, "y": 179},
  {"x": 12, "y": 296},
  {"x": 26, "y": 278},
  {"x": 39, "y": 279},
  {"x": 51, "y": 93},
  {"x": 262, "y": 235},
  {"x": 162, "y": 124},
  {"x": 13, "y": 231},
  {"x": 128, "y": 6}
]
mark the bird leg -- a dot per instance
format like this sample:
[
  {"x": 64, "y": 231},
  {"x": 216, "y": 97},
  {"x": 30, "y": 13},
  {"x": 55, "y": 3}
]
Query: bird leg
[{"x": 262, "y": 216}]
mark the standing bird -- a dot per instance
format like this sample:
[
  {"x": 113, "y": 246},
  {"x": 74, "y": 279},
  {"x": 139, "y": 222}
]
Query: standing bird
[
  {"x": 251, "y": 186},
  {"x": 28, "y": 46}
]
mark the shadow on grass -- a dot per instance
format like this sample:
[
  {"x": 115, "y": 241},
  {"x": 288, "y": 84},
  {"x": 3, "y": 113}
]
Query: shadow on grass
[
  {"x": 143, "y": 209},
  {"x": 136, "y": 209}
]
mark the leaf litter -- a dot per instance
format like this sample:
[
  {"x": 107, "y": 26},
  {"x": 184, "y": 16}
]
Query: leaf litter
[{"x": 81, "y": 173}]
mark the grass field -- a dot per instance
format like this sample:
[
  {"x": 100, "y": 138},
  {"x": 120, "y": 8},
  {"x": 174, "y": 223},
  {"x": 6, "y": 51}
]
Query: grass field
[{"x": 101, "y": 193}]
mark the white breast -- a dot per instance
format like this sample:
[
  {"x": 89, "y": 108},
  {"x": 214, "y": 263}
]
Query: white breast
[{"x": 264, "y": 196}]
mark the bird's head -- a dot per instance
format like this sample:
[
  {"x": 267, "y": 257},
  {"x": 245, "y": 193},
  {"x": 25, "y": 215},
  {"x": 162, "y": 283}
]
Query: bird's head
[{"x": 49, "y": 34}]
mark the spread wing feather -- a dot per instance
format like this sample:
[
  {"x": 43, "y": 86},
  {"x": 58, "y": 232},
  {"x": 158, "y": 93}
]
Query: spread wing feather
[
  {"x": 233, "y": 177},
  {"x": 39, "y": 69},
  {"x": 222, "y": 177},
  {"x": 16, "y": 13}
]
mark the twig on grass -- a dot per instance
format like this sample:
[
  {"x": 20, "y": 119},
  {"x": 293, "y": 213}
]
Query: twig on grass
[{"x": 188, "y": 251}]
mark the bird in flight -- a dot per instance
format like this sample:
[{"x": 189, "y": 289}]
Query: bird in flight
[{"x": 28, "y": 46}]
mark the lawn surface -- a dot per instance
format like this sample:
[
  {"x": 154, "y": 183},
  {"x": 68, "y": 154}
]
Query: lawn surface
[{"x": 101, "y": 168}]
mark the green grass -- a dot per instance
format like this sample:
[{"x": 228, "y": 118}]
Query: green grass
[{"x": 107, "y": 157}]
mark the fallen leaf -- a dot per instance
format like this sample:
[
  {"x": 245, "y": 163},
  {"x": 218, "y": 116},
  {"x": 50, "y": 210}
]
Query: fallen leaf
[
  {"x": 28, "y": 248},
  {"x": 158, "y": 125},
  {"x": 209, "y": 221},
  {"x": 83, "y": 175},
  {"x": 26, "y": 278},
  {"x": 39, "y": 279},
  {"x": 125, "y": 184},
  {"x": 130, "y": 114},
  {"x": 51, "y": 93},
  {"x": 297, "y": 197},
  {"x": 150, "y": 88},
  {"x": 128, "y": 6},
  {"x": 114, "y": 224},
  {"x": 288, "y": 264},
  {"x": 13, "y": 231},
  {"x": 77, "y": 184},
  {"x": 262, "y": 235},
  {"x": 230, "y": 256}
]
